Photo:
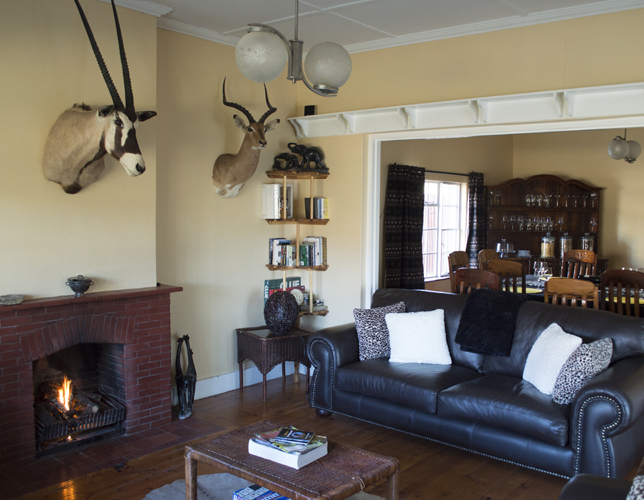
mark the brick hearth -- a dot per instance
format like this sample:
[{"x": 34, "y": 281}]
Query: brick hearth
[{"x": 139, "y": 319}]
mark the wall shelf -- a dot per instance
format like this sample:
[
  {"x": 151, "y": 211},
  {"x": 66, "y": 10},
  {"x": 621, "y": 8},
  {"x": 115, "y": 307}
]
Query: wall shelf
[{"x": 538, "y": 107}]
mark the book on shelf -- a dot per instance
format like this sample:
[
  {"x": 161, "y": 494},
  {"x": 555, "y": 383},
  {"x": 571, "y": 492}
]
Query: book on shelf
[
  {"x": 254, "y": 492},
  {"x": 276, "y": 250},
  {"x": 320, "y": 208},
  {"x": 276, "y": 284},
  {"x": 272, "y": 201},
  {"x": 294, "y": 455},
  {"x": 288, "y": 289},
  {"x": 316, "y": 256}
]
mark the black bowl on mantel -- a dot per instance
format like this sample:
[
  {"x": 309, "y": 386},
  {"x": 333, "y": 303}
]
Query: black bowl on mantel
[{"x": 79, "y": 285}]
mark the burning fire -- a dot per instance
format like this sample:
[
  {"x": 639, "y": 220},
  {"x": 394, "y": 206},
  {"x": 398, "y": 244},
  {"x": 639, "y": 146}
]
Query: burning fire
[{"x": 65, "y": 393}]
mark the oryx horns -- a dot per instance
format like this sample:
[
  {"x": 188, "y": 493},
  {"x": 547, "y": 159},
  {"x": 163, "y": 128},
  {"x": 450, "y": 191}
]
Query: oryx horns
[{"x": 81, "y": 137}]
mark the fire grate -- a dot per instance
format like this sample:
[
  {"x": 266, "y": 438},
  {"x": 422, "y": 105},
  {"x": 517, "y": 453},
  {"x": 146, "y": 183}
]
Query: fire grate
[{"x": 110, "y": 412}]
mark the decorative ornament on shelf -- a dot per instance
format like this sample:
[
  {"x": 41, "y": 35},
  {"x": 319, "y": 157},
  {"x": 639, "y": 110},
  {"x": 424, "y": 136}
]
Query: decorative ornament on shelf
[
  {"x": 281, "y": 312},
  {"x": 79, "y": 285},
  {"x": 309, "y": 155},
  {"x": 262, "y": 53},
  {"x": 621, "y": 149}
]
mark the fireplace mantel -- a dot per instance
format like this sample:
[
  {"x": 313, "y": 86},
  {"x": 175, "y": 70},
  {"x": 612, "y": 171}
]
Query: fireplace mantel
[{"x": 137, "y": 318}]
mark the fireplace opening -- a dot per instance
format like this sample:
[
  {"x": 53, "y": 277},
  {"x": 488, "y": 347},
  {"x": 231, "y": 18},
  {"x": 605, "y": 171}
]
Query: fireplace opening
[{"x": 79, "y": 396}]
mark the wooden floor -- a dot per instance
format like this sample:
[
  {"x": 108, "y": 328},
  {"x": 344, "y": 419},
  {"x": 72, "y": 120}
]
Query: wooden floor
[{"x": 428, "y": 470}]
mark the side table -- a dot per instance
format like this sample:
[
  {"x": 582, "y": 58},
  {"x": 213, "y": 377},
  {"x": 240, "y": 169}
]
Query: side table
[{"x": 267, "y": 350}]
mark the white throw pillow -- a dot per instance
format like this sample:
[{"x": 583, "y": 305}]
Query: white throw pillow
[
  {"x": 418, "y": 337},
  {"x": 547, "y": 356}
]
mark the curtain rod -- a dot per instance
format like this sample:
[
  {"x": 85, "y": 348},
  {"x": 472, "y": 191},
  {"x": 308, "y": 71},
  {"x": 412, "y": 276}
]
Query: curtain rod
[{"x": 446, "y": 173}]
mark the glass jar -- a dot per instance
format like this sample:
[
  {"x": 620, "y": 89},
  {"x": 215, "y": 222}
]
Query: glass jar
[
  {"x": 587, "y": 242},
  {"x": 565, "y": 244},
  {"x": 548, "y": 247}
]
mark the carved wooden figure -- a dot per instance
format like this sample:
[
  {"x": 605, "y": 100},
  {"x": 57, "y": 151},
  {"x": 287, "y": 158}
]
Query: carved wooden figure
[
  {"x": 77, "y": 143},
  {"x": 231, "y": 172}
]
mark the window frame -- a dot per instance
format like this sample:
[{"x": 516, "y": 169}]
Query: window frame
[{"x": 462, "y": 218}]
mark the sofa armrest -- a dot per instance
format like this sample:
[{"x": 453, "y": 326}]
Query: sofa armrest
[
  {"x": 589, "y": 487},
  {"x": 329, "y": 349},
  {"x": 609, "y": 405}
]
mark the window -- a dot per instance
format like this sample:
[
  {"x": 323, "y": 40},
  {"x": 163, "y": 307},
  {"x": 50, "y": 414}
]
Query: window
[{"x": 443, "y": 225}]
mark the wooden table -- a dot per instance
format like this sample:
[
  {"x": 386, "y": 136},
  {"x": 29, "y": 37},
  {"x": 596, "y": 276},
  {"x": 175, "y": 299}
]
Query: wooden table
[
  {"x": 267, "y": 350},
  {"x": 344, "y": 471}
]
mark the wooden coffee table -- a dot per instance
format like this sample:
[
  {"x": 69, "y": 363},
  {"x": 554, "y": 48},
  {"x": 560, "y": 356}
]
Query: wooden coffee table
[{"x": 344, "y": 471}]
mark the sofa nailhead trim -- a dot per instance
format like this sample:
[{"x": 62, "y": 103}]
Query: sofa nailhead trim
[
  {"x": 316, "y": 372},
  {"x": 604, "y": 430}
]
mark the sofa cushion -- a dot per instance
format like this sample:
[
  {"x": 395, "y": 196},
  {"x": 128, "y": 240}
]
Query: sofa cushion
[
  {"x": 373, "y": 336},
  {"x": 586, "y": 362},
  {"x": 626, "y": 332},
  {"x": 418, "y": 337},
  {"x": 548, "y": 356},
  {"x": 410, "y": 384},
  {"x": 507, "y": 402},
  {"x": 425, "y": 300}
]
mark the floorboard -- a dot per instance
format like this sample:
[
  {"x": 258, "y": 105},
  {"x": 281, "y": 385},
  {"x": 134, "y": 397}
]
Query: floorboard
[{"x": 428, "y": 469}]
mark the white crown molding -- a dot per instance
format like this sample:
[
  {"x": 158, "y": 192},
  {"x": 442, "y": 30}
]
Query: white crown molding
[
  {"x": 188, "y": 29},
  {"x": 606, "y": 7},
  {"x": 144, "y": 6}
]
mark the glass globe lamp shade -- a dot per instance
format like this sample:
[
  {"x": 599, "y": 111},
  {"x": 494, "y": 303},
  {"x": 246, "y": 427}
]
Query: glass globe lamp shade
[
  {"x": 618, "y": 148},
  {"x": 634, "y": 150},
  {"x": 327, "y": 65},
  {"x": 260, "y": 56}
]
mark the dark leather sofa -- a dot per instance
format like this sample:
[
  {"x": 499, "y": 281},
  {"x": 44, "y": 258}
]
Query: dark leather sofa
[{"x": 481, "y": 403}]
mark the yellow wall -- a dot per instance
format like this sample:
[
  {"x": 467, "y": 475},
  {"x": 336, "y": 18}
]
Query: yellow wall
[
  {"x": 107, "y": 231},
  {"x": 583, "y": 156},
  {"x": 168, "y": 225}
]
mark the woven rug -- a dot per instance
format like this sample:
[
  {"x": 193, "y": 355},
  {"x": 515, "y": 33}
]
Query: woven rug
[{"x": 218, "y": 487}]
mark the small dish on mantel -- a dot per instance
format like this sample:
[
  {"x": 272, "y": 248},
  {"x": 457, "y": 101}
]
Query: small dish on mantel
[{"x": 11, "y": 300}]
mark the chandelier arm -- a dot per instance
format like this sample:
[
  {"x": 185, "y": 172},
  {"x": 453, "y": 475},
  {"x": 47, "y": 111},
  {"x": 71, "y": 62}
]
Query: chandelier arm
[{"x": 314, "y": 90}]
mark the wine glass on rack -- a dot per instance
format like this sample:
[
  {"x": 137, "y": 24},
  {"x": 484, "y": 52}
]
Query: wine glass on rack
[
  {"x": 505, "y": 222},
  {"x": 490, "y": 197},
  {"x": 521, "y": 222},
  {"x": 557, "y": 200},
  {"x": 528, "y": 223},
  {"x": 576, "y": 197},
  {"x": 490, "y": 221},
  {"x": 560, "y": 223},
  {"x": 513, "y": 220},
  {"x": 546, "y": 199},
  {"x": 498, "y": 197},
  {"x": 593, "y": 199},
  {"x": 585, "y": 196},
  {"x": 539, "y": 199},
  {"x": 528, "y": 200}
]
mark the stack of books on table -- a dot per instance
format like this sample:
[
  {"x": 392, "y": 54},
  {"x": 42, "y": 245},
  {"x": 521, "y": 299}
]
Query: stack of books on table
[
  {"x": 254, "y": 492},
  {"x": 288, "y": 446}
]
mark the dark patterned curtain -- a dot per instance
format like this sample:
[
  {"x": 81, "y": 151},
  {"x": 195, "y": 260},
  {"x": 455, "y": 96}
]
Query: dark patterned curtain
[
  {"x": 476, "y": 234},
  {"x": 403, "y": 227}
]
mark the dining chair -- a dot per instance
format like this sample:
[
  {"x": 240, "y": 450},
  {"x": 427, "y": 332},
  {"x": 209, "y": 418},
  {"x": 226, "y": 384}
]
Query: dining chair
[
  {"x": 471, "y": 279},
  {"x": 512, "y": 274},
  {"x": 486, "y": 255},
  {"x": 569, "y": 291},
  {"x": 455, "y": 260},
  {"x": 578, "y": 263},
  {"x": 617, "y": 286}
]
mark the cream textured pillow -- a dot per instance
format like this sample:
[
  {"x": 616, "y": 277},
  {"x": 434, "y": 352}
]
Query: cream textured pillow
[
  {"x": 418, "y": 337},
  {"x": 547, "y": 356}
]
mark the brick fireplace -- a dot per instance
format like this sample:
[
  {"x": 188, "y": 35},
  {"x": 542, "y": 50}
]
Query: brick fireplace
[{"x": 138, "y": 320}]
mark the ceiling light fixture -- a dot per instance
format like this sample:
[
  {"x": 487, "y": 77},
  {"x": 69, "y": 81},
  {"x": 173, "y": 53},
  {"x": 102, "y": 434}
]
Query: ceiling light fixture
[
  {"x": 621, "y": 149},
  {"x": 261, "y": 57}
]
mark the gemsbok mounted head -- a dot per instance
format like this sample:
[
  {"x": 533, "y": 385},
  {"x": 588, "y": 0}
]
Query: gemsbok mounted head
[
  {"x": 81, "y": 137},
  {"x": 231, "y": 172}
]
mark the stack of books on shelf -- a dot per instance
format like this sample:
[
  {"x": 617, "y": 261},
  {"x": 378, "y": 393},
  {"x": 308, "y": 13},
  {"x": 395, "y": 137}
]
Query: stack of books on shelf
[
  {"x": 313, "y": 251},
  {"x": 320, "y": 208},
  {"x": 272, "y": 201},
  {"x": 288, "y": 446}
]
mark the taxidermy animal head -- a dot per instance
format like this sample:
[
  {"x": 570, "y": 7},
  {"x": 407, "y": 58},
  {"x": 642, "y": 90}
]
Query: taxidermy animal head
[
  {"x": 231, "y": 172},
  {"x": 81, "y": 137}
]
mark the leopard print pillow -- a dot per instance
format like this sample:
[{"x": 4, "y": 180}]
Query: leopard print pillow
[
  {"x": 637, "y": 490},
  {"x": 587, "y": 361},
  {"x": 373, "y": 335}
]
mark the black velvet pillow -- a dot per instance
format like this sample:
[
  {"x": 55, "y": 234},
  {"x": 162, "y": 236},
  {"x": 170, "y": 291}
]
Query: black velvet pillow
[{"x": 487, "y": 322}]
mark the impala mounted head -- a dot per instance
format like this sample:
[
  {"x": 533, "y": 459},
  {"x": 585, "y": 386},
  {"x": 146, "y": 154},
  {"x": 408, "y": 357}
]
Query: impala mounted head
[
  {"x": 231, "y": 172},
  {"x": 82, "y": 136}
]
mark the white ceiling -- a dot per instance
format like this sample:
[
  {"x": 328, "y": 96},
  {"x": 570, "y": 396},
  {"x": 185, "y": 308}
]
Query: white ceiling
[{"x": 362, "y": 25}]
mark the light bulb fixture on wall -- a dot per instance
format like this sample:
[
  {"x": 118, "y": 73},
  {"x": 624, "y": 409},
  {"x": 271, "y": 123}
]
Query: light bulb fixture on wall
[
  {"x": 262, "y": 53},
  {"x": 621, "y": 149}
]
